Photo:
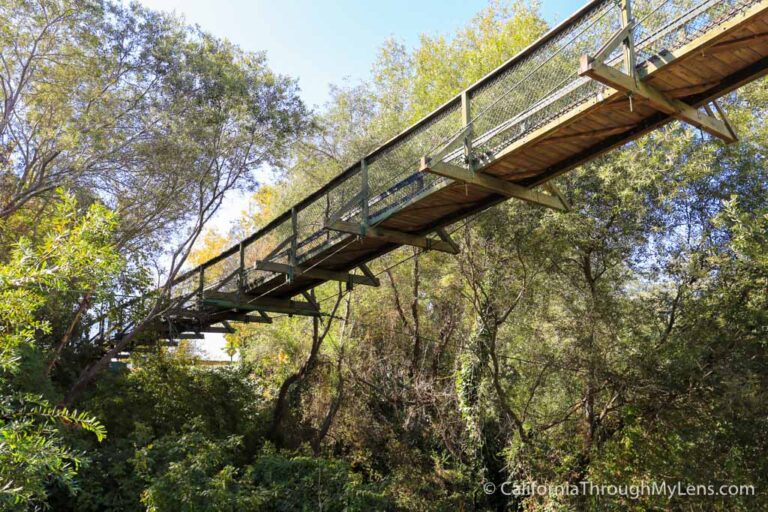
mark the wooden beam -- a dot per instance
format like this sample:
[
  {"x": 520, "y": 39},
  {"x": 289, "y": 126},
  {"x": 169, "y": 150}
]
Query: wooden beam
[
  {"x": 396, "y": 237},
  {"x": 630, "y": 66},
  {"x": 310, "y": 296},
  {"x": 212, "y": 329},
  {"x": 622, "y": 82},
  {"x": 446, "y": 237},
  {"x": 749, "y": 74},
  {"x": 244, "y": 303},
  {"x": 317, "y": 273},
  {"x": 552, "y": 189},
  {"x": 231, "y": 316},
  {"x": 615, "y": 40},
  {"x": 735, "y": 44},
  {"x": 603, "y": 132},
  {"x": 493, "y": 184},
  {"x": 187, "y": 336},
  {"x": 367, "y": 272},
  {"x": 724, "y": 117}
]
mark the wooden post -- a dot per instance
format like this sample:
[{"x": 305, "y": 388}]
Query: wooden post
[
  {"x": 466, "y": 120},
  {"x": 327, "y": 213},
  {"x": 201, "y": 284},
  {"x": 629, "y": 42},
  {"x": 363, "y": 197},
  {"x": 241, "y": 273},
  {"x": 294, "y": 243}
]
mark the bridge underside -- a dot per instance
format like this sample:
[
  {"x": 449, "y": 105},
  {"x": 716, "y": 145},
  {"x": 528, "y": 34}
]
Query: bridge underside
[{"x": 680, "y": 83}]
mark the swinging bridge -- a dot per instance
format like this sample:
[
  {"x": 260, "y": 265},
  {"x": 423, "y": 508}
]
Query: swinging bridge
[{"x": 613, "y": 71}]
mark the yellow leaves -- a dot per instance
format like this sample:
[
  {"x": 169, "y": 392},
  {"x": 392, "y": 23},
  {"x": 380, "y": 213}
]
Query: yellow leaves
[
  {"x": 264, "y": 200},
  {"x": 210, "y": 245},
  {"x": 262, "y": 207}
]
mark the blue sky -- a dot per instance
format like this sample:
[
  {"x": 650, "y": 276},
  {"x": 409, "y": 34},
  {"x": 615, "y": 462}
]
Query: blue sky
[{"x": 324, "y": 42}]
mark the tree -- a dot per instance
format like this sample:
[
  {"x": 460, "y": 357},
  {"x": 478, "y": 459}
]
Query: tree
[{"x": 217, "y": 114}]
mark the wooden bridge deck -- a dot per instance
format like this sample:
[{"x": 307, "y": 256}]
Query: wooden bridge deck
[{"x": 668, "y": 85}]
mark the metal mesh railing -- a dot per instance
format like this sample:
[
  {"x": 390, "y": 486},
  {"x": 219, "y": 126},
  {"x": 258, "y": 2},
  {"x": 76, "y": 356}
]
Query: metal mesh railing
[
  {"x": 532, "y": 89},
  {"x": 668, "y": 25},
  {"x": 542, "y": 86}
]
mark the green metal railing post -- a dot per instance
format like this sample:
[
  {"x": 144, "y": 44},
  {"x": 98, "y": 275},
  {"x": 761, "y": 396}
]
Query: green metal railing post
[
  {"x": 201, "y": 284},
  {"x": 241, "y": 272},
  {"x": 294, "y": 244},
  {"x": 327, "y": 214},
  {"x": 364, "y": 197}
]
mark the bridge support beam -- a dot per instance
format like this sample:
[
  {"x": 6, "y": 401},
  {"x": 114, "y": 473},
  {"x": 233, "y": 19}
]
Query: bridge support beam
[
  {"x": 397, "y": 237},
  {"x": 631, "y": 85},
  {"x": 317, "y": 273},
  {"x": 212, "y": 329},
  {"x": 263, "y": 318},
  {"x": 497, "y": 185},
  {"x": 186, "y": 336},
  {"x": 261, "y": 304}
]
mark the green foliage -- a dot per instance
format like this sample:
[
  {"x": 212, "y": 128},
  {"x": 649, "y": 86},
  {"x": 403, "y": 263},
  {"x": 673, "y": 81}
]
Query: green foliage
[
  {"x": 199, "y": 474},
  {"x": 76, "y": 251},
  {"x": 623, "y": 342},
  {"x": 33, "y": 453},
  {"x": 177, "y": 444},
  {"x": 634, "y": 345}
]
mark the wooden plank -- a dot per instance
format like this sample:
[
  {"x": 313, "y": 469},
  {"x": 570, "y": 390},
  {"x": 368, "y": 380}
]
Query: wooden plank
[
  {"x": 689, "y": 90},
  {"x": 396, "y": 237},
  {"x": 698, "y": 45},
  {"x": 548, "y": 129},
  {"x": 733, "y": 44},
  {"x": 495, "y": 185},
  {"x": 316, "y": 273},
  {"x": 622, "y": 82},
  {"x": 602, "y": 132}
]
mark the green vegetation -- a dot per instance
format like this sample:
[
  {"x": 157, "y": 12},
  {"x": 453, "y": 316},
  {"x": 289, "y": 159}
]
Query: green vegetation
[{"x": 623, "y": 342}]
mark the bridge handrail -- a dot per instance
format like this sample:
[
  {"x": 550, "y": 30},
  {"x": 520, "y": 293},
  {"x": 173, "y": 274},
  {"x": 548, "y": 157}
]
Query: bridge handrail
[{"x": 528, "y": 90}]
